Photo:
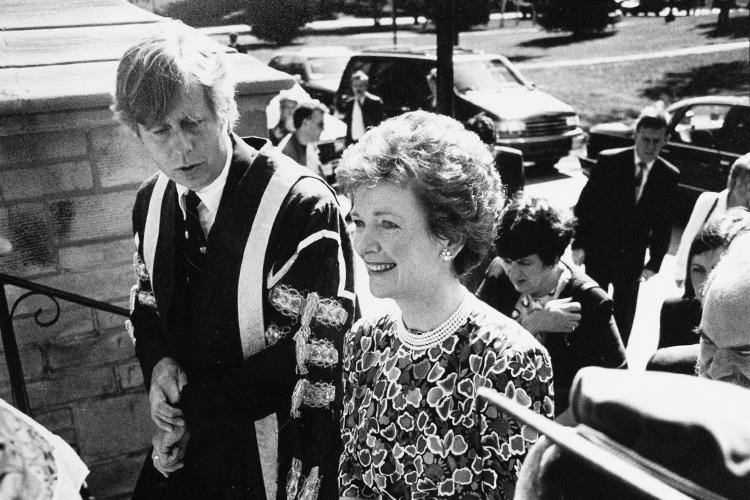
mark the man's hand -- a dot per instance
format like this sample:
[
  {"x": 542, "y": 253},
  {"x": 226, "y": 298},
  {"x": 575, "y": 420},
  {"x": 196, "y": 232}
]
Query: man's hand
[
  {"x": 169, "y": 449},
  {"x": 647, "y": 274},
  {"x": 558, "y": 315},
  {"x": 578, "y": 255},
  {"x": 167, "y": 380}
]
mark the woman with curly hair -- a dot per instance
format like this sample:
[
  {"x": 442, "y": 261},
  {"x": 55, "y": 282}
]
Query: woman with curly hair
[
  {"x": 425, "y": 195},
  {"x": 561, "y": 306}
]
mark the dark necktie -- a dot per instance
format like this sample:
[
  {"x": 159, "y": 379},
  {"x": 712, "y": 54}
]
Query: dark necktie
[
  {"x": 195, "y": 241},
  {"x": 640, "y": 168}
]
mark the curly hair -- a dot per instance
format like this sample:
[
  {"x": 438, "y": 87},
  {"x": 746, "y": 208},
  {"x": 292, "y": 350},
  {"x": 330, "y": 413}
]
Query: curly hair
[
  {"x": 152, "y": 73},
  {"x": 532, "y": 226},
  {"x": 448, "y": 168}
]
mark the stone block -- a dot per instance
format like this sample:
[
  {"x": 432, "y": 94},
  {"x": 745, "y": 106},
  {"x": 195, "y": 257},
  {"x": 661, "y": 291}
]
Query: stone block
[
  {"x": 124, "y": 420},
  {"x": 49, "y": 146},
  {"x": 120, "y": 157},
  {"x": 22, "y": 183},
  {"x": 93, "y": 255},
  {"x": 27, "y": 228},
  {"x": 108, "y": 347},
  {"x": 32, "y": 365},
  {"x": 49, "y": 122},
  {"x": 88, "y": 217},
  {"x": 74, "y": 321},
  {"x": 111, "y": 321},
  {"x": 72, "y": 385},
  {"x": 116, "y": 477},
  {"x": 130, "y": 376},
  {"x": 56, "y": 419},
  {"x": 105, "y": 284}
]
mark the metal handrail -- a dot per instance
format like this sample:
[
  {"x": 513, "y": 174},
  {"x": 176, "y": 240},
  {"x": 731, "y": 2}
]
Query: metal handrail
[{"x": 12, "y": 356}]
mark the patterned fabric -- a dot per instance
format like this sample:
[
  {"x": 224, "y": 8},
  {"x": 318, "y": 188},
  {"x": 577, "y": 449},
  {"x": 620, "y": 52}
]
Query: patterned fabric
[{"x": 412, "y": 427}]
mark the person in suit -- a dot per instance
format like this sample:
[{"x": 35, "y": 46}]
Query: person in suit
[
  {"x": 244, "y": 289},
  {"x": 363, "y": 110},
  {"x": 556, "y": 302},
  {"x": 625, "y": 208},
  {"x": 301, "y": 144}
]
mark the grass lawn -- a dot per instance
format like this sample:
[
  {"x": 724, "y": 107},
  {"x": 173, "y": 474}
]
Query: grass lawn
[{"x": 615, "y": 91}]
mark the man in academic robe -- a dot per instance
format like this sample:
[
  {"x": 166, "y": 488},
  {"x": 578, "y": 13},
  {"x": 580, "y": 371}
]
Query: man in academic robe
[{"x": 244, "y": 290}]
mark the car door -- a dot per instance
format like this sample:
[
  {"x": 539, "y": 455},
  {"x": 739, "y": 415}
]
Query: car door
[
  {"x": 692, "y": 147},
  {"x": 733, "y": 139}
]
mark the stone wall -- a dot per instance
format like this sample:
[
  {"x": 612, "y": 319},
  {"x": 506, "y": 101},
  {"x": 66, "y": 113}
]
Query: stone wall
[{"x": 67, "y": 184}]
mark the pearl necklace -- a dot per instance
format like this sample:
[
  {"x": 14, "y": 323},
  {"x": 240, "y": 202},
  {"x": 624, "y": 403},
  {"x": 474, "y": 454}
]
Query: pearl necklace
[{"x": 420, "y": 341}]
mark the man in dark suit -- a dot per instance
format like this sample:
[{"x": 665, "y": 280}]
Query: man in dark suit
[
  {"x": 363, "y": 110},
  {"x": 626, "y": 207},
  {"x": 244, "y": 290}
]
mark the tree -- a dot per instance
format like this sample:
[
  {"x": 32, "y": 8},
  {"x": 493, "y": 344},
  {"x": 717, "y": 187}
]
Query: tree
[
  {"x": 275, "y": 20},
  {"x": 466, "y": 13},
  {"x": 577, "y": 16}
]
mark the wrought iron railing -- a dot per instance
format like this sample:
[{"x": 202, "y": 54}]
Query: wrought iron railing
[{"x": 12, "y": 356}]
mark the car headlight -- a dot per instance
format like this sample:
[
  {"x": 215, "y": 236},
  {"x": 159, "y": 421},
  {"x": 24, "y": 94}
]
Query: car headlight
[
  {"x": 511, "y": 126},
  {"x": 572, "y": 121}
]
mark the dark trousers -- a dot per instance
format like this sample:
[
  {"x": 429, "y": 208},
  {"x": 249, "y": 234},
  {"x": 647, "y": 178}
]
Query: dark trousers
[{"x": 624, "y": 296}]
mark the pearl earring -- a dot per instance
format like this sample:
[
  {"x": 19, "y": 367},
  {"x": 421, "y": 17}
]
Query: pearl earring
[{"x": 446, "y": 254}]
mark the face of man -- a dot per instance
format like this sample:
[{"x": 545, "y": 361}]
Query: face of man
[
  {"x": 359, "y": 88},
  {"x": 648, "y": 143},
  {"x": 190, "y": 145},
  {"x": 311, "y": 128},
  {"x": 724, "y": 352}
]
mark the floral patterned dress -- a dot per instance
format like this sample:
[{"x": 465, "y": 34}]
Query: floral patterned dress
[{"x": 412, "y": 425}]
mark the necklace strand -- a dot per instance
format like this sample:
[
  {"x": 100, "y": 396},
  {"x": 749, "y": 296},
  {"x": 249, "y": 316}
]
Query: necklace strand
[{"x": 427, "y": 339}]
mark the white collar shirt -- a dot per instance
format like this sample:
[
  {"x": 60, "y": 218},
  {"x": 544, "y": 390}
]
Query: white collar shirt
[
  {"x": 358, "y": 120},
  {"x": 210, "y": 195}
]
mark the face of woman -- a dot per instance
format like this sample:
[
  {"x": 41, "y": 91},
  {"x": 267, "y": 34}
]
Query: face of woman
[
  {"x": 392, "y": 237},
  {"x": 700, "y": 267},
  {"x": 529, "y": 274}
]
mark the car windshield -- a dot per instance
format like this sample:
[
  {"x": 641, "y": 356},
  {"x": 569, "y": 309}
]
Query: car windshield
[
  {"x": 484, "y": 75},
  {"x": 327, "y": 67}
]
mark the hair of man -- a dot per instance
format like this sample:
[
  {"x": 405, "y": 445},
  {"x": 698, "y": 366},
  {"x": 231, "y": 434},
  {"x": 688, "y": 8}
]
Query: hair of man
[{"x": 152, "y": 74}]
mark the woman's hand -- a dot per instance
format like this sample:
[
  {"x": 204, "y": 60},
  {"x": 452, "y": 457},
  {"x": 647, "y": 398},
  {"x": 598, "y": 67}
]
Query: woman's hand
[{"x": 558, "y": 315}]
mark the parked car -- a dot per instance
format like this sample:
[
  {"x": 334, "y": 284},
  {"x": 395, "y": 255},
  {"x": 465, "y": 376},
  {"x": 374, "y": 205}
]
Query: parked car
[
  {"x": 544, "y": 128},
  {"x": 706, "y": 135},
  {"x": 318, "y": 69}
]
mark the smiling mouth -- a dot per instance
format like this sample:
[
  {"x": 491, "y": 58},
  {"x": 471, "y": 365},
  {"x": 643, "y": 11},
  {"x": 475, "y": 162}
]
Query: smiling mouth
[{"x": 378, "y": 268}]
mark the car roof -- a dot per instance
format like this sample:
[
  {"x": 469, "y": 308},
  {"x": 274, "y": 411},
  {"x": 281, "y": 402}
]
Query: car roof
[
  {"x": 716, "y": 99},
  {"x": 322, "y": 51},
  {"x": 428, "y": 53}
]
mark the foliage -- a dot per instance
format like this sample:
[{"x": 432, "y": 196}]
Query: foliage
[
  {"x": 466, "y": 13},
  {"x": 275, "y": 20},
  {"x": 577, "y": 16}
]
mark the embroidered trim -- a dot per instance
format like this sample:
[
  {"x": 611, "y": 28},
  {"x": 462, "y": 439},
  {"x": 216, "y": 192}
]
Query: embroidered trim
[
  {"x": 139, "y": 267},
  {"x": 290, "y": 302},
  {"x": 303, "y": 334},
  {"x": 147, "y": 299},
  {"x": 322, "y": 353},
  {"x": 130, "y": 329},
  {"x": 292, "y": 479},
  {"x": 311, "y": 394},
  {"x": 312, "y": 485},
  {"x": 274, "y": 333},
  {"x": 133, "y": 297}
]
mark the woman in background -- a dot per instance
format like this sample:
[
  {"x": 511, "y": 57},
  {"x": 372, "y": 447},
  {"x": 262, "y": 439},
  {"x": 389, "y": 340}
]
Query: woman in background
[
  {"x": 560, "y": 305},
  {"x": 424, "y": 195}
]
